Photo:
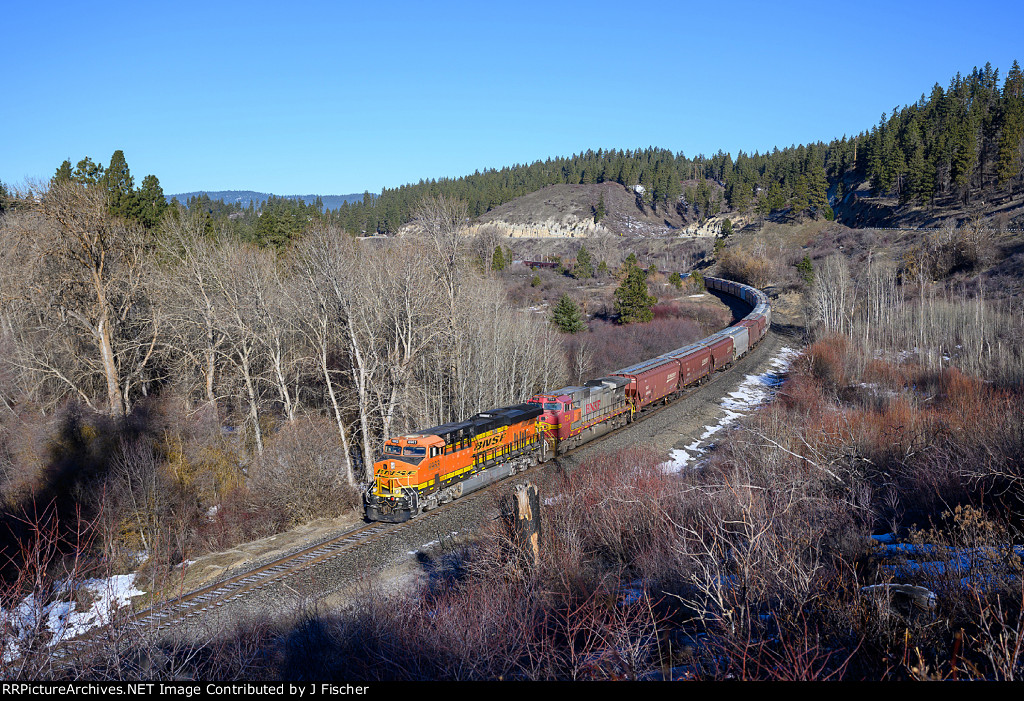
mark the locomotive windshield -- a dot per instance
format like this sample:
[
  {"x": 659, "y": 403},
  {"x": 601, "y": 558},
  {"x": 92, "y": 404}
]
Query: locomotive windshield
[
  {"x": 552, "y": 406},
  {"x": 393, "y": 449},
  {"x": 415, "y": 452}
]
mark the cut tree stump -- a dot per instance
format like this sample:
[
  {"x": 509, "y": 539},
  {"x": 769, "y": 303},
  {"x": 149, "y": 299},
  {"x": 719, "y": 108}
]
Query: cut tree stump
[{"x": 521, "y": 514}]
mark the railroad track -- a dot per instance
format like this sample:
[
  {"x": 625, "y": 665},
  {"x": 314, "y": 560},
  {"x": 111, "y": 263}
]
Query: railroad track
[{"x": 193, "y": 605}]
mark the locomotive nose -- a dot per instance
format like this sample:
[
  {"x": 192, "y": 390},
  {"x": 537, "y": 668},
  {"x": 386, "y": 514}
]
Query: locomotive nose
[{"x": 549, "y": 419}]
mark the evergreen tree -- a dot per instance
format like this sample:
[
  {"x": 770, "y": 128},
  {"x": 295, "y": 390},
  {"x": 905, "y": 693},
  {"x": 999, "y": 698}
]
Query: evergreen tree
[
  {"x": 676, "y": 280},
  {"x": 775, "y": 199},
  {"x": 63, "y": 174},
  {"x": 806, "y": 269},
  {"x": 498, "y": 259},
  {"x": 567, "y": 317},
  {"x": 87, "y": 172},
  {"x": 817, "y": 190},
  {"x": 697, "y": 280},
  {"x": 150, "y": 202},
  {"x": 632, "y": 300},
  {"x": 799, "y": 198},
  {"x": 584, "y": 267},
  {"x": 1011, "y": 141},
  {"x": 120, "y": 185},
  {"x": 965, "y": 157},
  {"x": 599, "y": 211},
  {"x": 270, "y": 230}
]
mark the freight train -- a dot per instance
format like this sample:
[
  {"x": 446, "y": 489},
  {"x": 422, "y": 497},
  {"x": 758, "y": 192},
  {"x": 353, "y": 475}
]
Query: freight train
[{"x": 421, "y": 471}]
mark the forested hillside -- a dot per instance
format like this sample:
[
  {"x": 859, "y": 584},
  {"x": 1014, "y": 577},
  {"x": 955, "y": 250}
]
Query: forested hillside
[
  {"x": 952, "y": 145},
  {"x": 244, "y": 197}
]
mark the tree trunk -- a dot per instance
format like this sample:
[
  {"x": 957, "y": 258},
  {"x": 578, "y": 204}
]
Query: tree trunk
[{"x": 521, "y": 514}]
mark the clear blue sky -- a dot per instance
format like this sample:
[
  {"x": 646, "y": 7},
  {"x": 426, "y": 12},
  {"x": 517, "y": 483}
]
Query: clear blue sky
[{"x": 336, "y": 97}]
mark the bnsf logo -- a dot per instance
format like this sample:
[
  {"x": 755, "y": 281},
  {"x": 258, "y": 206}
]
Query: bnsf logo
[
  {"x": 593, "y": 406},
  {"x": 487, "y": 443}
]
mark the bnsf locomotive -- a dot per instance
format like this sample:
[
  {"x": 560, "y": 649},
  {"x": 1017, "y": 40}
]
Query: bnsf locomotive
[{"x": 421, "y": 471}]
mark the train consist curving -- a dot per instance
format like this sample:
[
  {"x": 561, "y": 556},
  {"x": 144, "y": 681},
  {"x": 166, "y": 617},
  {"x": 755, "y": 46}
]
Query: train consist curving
[{"x": 421, "y": 471}]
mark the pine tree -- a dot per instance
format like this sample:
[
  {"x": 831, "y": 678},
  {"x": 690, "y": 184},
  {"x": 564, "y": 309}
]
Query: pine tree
[
  {"x": 150, "y": 202},
  {"x": 799, "y": 199},
  {"x": 806, "y": 269},
  {"x": 584, "y": 267},
  {"x": 270, "y": 230},
  {"x": 676, "y": 280},
  {"x": 775, "y": 199},
  {"x": 632, "y": 300},
  {"x": 87, "y": 172},
  {"x": 697, "y": 280},
  {"x": 1011, "y": 141},
  {"x": 63, "y": 174},
  {"x": 817, "y": 190},
  {"x": 965, "y": 157},
  {"x": 567, "y": 317},
  {"x": 498, "y": 259},
  {"x": 120, "y": 185},
  {"x": 599, "y": 211}
]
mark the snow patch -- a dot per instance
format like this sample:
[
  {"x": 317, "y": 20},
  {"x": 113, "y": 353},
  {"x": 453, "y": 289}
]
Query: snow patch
[
  {"x": 60, "y": 620},
  {"x": 751, "y": 393},
  {"x": 431, "y": 544},
  {"x": 677, "y": 460}
]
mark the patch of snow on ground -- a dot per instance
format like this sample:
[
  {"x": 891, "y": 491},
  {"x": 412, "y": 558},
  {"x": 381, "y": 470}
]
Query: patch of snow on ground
[
  {"x": 108, "y": 595},
  {"x": 938, "y": 565},
  {"x": 751, "y": 393},
  {"x": 431, "y": 544},
  {"x": 60, "y": 619},
  {"x": 677, "y": 460}
]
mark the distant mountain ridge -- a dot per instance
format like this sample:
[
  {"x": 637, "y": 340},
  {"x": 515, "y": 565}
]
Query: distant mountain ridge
[{"x": 243, "y": 197}]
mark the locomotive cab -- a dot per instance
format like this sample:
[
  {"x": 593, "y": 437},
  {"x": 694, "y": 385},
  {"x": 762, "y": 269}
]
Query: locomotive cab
[
  {"x": 392, "y": 494},
  {"x": 557, "y": 412}
]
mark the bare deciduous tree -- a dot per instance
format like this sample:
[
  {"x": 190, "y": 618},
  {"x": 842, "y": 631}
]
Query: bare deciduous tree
[
  {"x": 85, "y": 324},
  {"x": 833, "y": 294}
]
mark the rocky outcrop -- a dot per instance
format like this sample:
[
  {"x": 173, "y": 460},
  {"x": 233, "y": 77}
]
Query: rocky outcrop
[{"x": 569, "y": 226}]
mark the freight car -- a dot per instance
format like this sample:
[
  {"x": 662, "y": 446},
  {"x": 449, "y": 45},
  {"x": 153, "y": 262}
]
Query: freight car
[{"x": 421, "y": 471}]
